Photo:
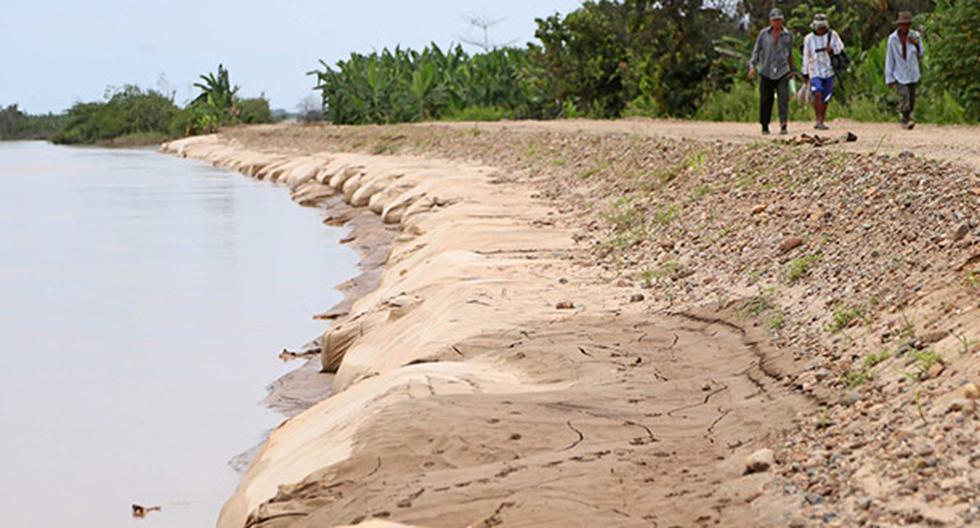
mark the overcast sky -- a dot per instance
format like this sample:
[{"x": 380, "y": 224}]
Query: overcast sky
[{"x": 54, "y": 53}]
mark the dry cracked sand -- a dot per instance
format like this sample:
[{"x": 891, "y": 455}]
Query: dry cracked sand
[{"x": 615, "y": 324}]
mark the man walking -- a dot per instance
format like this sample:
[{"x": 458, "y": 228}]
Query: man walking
[
  {"x": 818, "y": 47},
  {"x": 902, "y": 58},
  {"x": 772, "y": 59}
]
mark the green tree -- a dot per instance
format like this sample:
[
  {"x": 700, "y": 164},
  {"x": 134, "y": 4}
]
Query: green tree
[{"x": 954, "y": 50}]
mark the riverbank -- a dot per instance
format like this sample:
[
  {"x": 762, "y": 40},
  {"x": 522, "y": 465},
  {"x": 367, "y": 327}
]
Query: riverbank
[{"x": 592, "y": 328}]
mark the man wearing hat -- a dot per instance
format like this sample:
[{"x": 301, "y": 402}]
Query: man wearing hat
[
  {"x": 818, "y": 47},
  {"x": 902, "y": 58},
  {"x": 772, "y": 59}
]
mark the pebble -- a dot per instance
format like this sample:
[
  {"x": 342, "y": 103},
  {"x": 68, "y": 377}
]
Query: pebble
[
  {"x": 813, "y": 498},
  {"x": 971, "y": 391},
  {"x": 956, "y": 405},
  {"x": 760, "y": 461},
  {"x": 961, "y": 232},
  {"x": 565, "y": 305},
  {"x": 935, "y": 370},
  {"x": 790, "y": 243},
  {"x": 637, "y": 297}
]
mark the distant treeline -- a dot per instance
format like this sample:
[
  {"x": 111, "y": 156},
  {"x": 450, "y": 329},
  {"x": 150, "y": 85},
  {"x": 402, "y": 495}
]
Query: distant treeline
[
  {"x": 131, "y": 115},
  {"x": 657, "y": 58},
  {"x": 15, "y": 124}
]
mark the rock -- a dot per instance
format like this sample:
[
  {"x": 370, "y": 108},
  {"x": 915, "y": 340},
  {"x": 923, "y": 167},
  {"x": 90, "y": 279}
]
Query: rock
[
  {"x": 821, "y": 374},
  {"x": 637, "y": 297},
  {"x": 935, "y": 370},
  {"x": 789, "y": 244},
  {"x": 971, "y": 391},
  {"x": 758, "y": 209},
  {"x": 667, "y": 245},
  {"x": 960, "y": 232},
  {"x": 565, "y": 305},
  {"x": 957, "y": 405},
  {"x": 906, "y": 154},
  {"x": 852, "y": 397},
  {"x": 813, "y": 498},
  {"x": 760, "y": 461}
]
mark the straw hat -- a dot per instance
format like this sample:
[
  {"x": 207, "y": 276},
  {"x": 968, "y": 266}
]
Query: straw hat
[{"x": 904, "y": 17}]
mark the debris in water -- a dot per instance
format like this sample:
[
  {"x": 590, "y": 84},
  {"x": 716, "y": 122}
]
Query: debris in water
[{"x": 140, "y": 512}]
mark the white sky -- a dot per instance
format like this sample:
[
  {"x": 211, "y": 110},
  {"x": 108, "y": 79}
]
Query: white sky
[{"x": 54, "y": 53}]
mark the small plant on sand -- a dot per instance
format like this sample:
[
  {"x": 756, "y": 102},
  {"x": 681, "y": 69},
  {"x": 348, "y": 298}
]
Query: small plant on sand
[
  {"x": 853, "y": 379},
  {"x": 759, "y": 303},
  {"x": 800, "y": 267},
  {"x": 778, "y": 321},
  {"x": 700, "y": 192},
  {"x": 558, "y": 162},
  {"x": 923, "y": 360},
  {"x": 668, "y": 270},
  {"x": 908, "y": 328},
  {"x": 627, "y": 223},
  {"x": 754, "y": 276},
  {"x": 875, "y": 358},
  {"x": 845, "y": 317},
  {"x": 592, "y": 171},
  {"x": 666, "y": 214},
  {"x": 647, "y": 276},
  {"x": 622, "y": 215},
  {"x": 965, "y": 344},
  {"x": 696, "y": 160},
  {"x": 972, "y": 279}
]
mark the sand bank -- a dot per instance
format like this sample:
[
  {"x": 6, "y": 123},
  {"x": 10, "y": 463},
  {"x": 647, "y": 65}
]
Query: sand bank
[{"x": 490, "y": 375}]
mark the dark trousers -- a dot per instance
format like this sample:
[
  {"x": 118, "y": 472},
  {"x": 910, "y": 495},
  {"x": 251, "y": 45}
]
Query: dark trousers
[
  {"x": 767, "y": 89},
  {"x": 906, "y": 100}
]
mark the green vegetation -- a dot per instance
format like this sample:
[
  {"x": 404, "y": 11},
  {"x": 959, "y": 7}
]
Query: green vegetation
[
  {"x": 778, "y": 320},
  {"x": 627, "y": 222},
  {"x": 760, "y": 303},
  {"x": 844, "y": 317},
  {"x": 16, "y": 124},
  {"x": 800, "y": 267},
  {"x": 393, "y": 86},
  {"x": 131, "y": 115},
  {"x": 923, "y": 360},
  {"x": 856, "y": 377},
  {"x": 655, "y": 58},
  {"x": 128, "y": 111}
]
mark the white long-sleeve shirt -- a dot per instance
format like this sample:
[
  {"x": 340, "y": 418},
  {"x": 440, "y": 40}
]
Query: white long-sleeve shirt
[
  {"x": 903, "y": 70},
  {"x": 816, "y": 61}
]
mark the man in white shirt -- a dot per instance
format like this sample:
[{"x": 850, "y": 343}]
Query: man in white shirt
[
  {"x": 902, "y": 57},
  {"x": 818, "y": 46}
]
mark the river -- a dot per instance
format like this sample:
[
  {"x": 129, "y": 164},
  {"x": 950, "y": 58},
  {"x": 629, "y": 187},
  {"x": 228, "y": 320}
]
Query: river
[{"x": 143, "y": 301}]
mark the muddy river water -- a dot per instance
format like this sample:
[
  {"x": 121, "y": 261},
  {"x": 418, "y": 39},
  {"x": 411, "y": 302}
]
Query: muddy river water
[{"x": 143, "y": 301}]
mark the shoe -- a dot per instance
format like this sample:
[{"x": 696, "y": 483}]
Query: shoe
[
  {"x": 821, "y": 126},
  {"x": 783, "y": 131},
  {"x": 765, "y": 131},
  {"x": 910, "y": 125}
]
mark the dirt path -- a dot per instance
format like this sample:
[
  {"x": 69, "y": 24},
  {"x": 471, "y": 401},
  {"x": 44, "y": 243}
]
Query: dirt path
[{"x": 954, "y": 143}]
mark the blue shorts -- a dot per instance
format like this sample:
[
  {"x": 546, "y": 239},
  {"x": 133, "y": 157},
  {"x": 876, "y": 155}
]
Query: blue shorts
[{"x": 823, "y": 85}]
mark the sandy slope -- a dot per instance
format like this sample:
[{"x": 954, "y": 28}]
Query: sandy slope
[
  {"x": 502, "y": 374},
  {"x": 466, "y": 391}
]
